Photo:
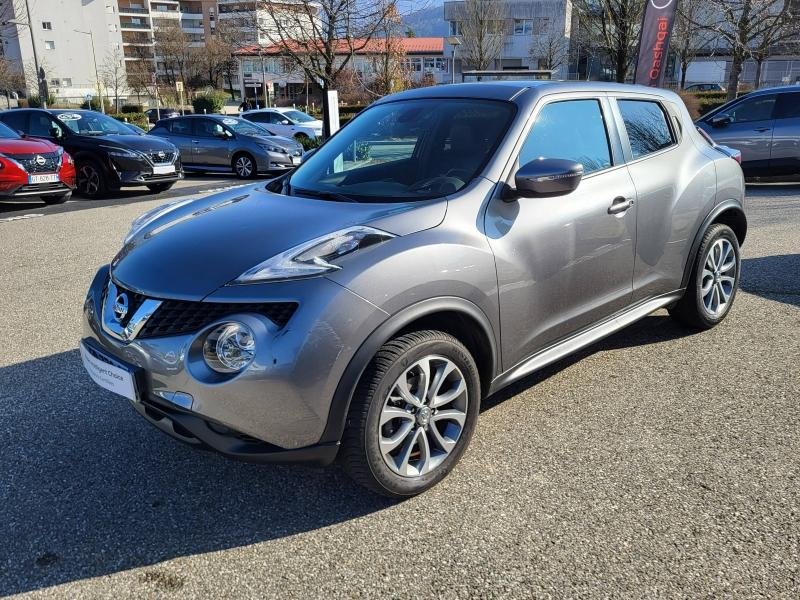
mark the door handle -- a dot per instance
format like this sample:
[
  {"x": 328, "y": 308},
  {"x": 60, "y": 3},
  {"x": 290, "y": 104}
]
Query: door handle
[
  {"x": 620, "y": 205},
  {"x": 762, "y": 129}
]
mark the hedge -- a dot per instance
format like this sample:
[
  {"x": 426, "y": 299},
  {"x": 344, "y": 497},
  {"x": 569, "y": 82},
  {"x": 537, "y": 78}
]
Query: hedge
[
  {"x": 138, "y": 119},
  {"x": 710, "y": 100},
  {"x": 209, "y": 103}
]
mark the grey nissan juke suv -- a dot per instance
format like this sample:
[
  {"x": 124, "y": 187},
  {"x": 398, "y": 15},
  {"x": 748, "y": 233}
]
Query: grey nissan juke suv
[{"x": 447, "y": 242}]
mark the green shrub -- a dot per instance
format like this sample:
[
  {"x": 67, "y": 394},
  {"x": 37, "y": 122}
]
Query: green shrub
[
  {"x": 35, "y": 102},
  {"x": 211, "y": 102},
  {"x": 136, "y": 118},
  {"x": 708, "y": 101},
  {"x": 94, "y": 104},
  {"x": 131, "y": 109},
  {"x": 309, "y": 143}
]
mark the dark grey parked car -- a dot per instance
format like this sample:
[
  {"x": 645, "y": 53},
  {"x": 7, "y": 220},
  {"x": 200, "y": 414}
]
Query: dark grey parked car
[
  {"x": 224, "y": 144},
  {"x": 447, "y": 242},
  {"x": 764, "y": 126}
]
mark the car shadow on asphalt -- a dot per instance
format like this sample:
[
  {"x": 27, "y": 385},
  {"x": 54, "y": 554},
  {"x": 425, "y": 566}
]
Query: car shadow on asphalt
[
  {"x": 774, "y": 277},
  {"x": 88, "y": 488}
]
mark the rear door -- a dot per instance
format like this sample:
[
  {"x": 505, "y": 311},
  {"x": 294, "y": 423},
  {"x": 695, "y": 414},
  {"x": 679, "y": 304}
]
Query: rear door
[
  {"x": 750, "y": 131},
  {"x": 180, "y": 134},
  {"x": 785, "y": 155},
  {"x": 262, "y": 119}
]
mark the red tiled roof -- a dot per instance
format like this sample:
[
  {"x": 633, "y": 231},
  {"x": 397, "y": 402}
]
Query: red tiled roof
[{"x": 429, "y": 45}]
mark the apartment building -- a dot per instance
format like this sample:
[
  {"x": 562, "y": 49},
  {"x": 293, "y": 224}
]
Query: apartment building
[
  {"x": 529, "y": 28},
  {"x": 63, "y": 43}
]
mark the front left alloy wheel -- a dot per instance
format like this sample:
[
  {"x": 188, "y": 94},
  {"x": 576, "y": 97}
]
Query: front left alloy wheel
[
  {"x": 244, "y": 166},
  {"x": 412, "y": 414},
  {"x": 89, "y": 180}
]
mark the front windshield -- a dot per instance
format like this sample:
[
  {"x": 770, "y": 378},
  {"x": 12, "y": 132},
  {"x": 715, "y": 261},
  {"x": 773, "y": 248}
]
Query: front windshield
[
  {"x": 299, "y": 117},
  {"x": 92, "y": 123},
  {"x": 406, "y": 150},
  {"x": 243, "y": 127},
  {"x": 7, "y": 133}
]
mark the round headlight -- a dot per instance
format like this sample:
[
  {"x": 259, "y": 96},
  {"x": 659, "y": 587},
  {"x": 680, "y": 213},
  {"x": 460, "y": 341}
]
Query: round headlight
[{"x": 229, "y": 348}]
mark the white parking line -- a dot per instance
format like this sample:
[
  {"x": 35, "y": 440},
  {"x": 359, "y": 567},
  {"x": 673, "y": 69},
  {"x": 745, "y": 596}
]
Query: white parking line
[{"x": 20, "y": 217}]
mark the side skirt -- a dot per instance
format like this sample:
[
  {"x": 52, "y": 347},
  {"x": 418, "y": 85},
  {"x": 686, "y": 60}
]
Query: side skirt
[{"x": 582, "y": 339}]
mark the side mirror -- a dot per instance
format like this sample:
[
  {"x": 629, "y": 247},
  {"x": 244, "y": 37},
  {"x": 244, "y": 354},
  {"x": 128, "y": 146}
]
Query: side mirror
[
  {"x": 548, "y": 177},
  {"x": 720, "y": 120},
  {"x": 285, "y": 122},
  {"x": 21, "y": 133},
  {"x": 223, "y": 135},
  {"x": 307, "y": 155},
  {"x": 55, "y": 132}
]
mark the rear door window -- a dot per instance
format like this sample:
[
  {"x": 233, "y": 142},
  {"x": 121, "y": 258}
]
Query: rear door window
[
  {"x": 753, "y": 109},
  {"x": 647, "y": 126},
  {"x": 787, "y": 106},
  {"x": 180, "y": 126},
  {"x": 572, "y": 130}
]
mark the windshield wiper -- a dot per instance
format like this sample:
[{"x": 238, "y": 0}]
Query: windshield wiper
[{"x": 323, "y": 194}]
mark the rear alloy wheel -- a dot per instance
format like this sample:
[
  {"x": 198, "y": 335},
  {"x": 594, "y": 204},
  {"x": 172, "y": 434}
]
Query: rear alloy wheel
[
  {"x": 412, "y": 415},
  {"x": 244, "y": 166},
  {"x": 89, "y": 180},
  {"x": 714, "y": 280}
]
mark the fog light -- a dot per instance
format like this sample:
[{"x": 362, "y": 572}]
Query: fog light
[{"x": 229, "y": 348}]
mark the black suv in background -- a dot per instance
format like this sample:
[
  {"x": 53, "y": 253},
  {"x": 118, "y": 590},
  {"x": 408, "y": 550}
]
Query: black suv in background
[{"x": 108, "y": 155}]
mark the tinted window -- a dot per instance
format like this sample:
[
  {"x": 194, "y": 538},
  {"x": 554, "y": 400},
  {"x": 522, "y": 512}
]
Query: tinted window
[
  {"x": 7, "y": 133},
  {"x": 40, "y": 125},
  {"x": 787, "y": 106},
  {"x": 406, "y": 150},
  {"x": 752, "y": 109},
  {"x": 646, "y": 125},
  {"x": 257, "y": 118},
  {"x": 16, "y": 120},
  {"x": 207, "y": 128},
  {"x": 180, "y": 126},
  {"x": 276, "y": 118},
  {"x": 573, "y": 130}
]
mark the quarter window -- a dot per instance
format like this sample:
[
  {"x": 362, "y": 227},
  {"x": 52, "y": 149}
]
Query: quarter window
[
  {"x": 646, "y": 125},
  {"x": 572, "y": 130}
]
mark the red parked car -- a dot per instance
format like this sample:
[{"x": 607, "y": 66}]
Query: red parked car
[{"x": 34, "y": 167}]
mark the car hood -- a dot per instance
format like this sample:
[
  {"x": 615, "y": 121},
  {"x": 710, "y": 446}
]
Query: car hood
[
  {"x": 198, "y": 247},
  {"x": 26, "y": 146},
  {"x": 133, "y": 141}
]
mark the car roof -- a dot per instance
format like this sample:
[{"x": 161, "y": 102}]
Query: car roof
[
  {"x": 511, "y": 89},
  {"x": 773, "y": 90}
]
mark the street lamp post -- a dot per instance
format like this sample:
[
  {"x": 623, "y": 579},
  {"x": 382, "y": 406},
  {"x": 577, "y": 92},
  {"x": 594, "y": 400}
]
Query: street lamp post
[
  {"x": 96, "y": 73},
  {"x": 455, "y": 42}
]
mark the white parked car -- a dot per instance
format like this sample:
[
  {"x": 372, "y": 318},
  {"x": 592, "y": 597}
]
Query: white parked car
[{"x": 287, "y": 121}]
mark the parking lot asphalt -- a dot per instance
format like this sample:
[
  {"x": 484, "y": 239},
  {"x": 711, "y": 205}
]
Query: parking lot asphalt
[{"x": 657, "y": 463}]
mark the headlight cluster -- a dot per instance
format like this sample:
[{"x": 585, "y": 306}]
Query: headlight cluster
[
  {"x": 270, "y": 148},
  {"x": 122, "y": 152},
  {"x": 313, "y": 257},
  {"x": 229, "y": 348}
]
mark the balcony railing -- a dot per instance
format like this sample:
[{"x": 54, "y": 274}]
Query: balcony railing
[
  {"x": 124, "y": 25},
  {"x": 131, "y": 10}
]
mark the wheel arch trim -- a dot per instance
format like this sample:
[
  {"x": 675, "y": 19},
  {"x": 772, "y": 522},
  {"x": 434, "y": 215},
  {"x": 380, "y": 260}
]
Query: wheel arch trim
[
  {"x": 340, "y": 402},
  {"x": 736, "y": 211}
]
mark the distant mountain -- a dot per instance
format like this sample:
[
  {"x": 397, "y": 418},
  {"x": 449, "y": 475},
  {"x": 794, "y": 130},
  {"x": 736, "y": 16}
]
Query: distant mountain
[{"x": 428, "y": 22}]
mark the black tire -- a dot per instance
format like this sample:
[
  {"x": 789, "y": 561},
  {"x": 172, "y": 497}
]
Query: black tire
[
  {"x": 360, "y": 453},
  {"x": 56, "y": 199},
  {"x": 238, "y": 163},
  {"x": 157, "y": 188},
  {"x": 90, "y": 179},
  {"x": 692, "y": 308}
]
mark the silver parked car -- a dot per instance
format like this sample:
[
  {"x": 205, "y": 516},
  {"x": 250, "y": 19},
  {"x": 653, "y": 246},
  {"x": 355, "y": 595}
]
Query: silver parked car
[
  {"x": 448, "y": 242},
  {"x": 288, "y": 122},
  {"x": 224, "y": 144},
  {"x": 764, "y": 126}
]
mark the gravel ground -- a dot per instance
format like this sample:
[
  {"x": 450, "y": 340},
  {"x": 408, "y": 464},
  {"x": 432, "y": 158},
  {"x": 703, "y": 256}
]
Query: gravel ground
[{"x": 656, "y": 463}]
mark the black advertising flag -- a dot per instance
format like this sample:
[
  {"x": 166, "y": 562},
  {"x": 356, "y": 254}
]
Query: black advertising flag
[{"x": 659, "y": 16}]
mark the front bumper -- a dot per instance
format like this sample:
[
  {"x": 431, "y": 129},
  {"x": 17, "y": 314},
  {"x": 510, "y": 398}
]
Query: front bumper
[
  {"x": 36, "y": 189},
  {"x": 277, "y": 409},
  {"x": 129, "y": 172},
  {"x": 272, "y": 162}
]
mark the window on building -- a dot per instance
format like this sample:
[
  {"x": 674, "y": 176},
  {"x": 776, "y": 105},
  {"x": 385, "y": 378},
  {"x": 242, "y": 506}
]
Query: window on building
[
  {"x": 646, "y": 125},
  {"x": 523, "y": 26},
  {"x": 49, "y": 45},
  {"x": 435, "y": 64},
  {"x": 541, "y": 25},
  {"x": 572, "y": 130},
  {"x": 66, "y": 82},
  {"x": 47, "y": 25},
  {"x": 54, "y": 82},
  {"x": 455, "y": 27}
]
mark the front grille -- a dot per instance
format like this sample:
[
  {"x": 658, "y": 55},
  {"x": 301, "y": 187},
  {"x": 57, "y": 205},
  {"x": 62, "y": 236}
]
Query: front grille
[
  {"x": 31, "y": 165},
  {"x": 176, "y": 317},
  {"x": 162, "y": 160},
  {"x": 134, "y": 302}
]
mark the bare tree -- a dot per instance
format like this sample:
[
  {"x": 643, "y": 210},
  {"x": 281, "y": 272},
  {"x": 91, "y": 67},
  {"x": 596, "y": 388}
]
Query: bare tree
[
  {"x": 690, "y": 33},
  {"x": 550, "y": 50},
  {"x": 173, "y": 48},
  {"x": 388, "y": 56},
  {"x": 779, "y": 34},
  {"x": 613, "y": 27},
  {"x": 11, "y": 79},
  {"x": 113, "y": 74},
  {"x": 482, "y": 29},
  {"x": 745, "y": 26},
  {"x": 215, "y": 58}
]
